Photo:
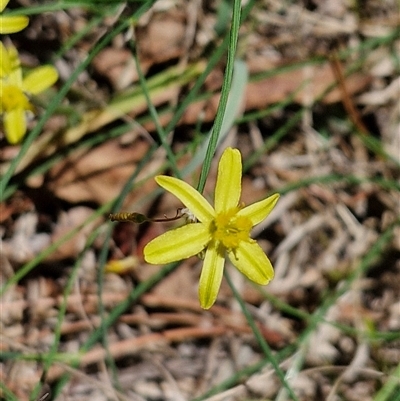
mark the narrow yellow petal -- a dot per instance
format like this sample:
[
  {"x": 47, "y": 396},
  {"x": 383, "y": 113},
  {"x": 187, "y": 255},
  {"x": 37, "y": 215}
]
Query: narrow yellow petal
[
  {"x": 5, "y": 62},
  {"x": 9, "y": 24},
  {"x": 14, "y": 125},
  {"x": 9, "y": 60},
  {"x": 258, "y": 211},
  {"x": 14, "y": 57},
  {"x": 191, "y": 198},
  {"x": 177, "y": 244},
  {"x": 228, "y": 187},
  {"x": 211, "y": 275},
  {"x": 15, "y": 77},
  {"x": 251, "y": 261},
  {"x": 40, "y": 79},
  {"x": 3, "y": 4}
]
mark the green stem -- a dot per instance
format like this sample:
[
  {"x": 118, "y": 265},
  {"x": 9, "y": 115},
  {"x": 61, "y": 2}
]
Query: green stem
[{"x": 234, "y": 33}]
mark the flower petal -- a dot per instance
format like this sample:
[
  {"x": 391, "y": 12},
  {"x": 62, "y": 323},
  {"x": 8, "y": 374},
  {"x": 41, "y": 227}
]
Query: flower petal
[
  {"x": 228, "y": 187},
  {"x": 191, "y": 198},
  {"x": 251, "y": 260},
  {"x": 5, "y": 66},
  {"x": 9, "y": 64},
  {"x": 177, "y": 244},
  {"x": 40, "y": 79},
  {"x": 9, "y": 24},
  {"x": 258, "y": 211},
  {"x": 14, "y": 125},
  {"x": 3, "y": 4},
  {"x": 211, "y": 275}
]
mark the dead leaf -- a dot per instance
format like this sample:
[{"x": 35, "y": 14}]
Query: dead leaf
[
  {"x": 163, "y": 38},
  {"x": 277, "y": 88},
  {"x": 118, "y": 66},
  {"x": 97, "y": 174}
]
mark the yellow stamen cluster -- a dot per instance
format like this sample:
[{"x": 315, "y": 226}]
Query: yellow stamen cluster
[
  {"x": 12, "y": 98},
  {"x": 230, "y": 229}
]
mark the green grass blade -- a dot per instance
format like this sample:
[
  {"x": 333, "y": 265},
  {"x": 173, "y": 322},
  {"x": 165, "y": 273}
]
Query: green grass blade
[{"x": 216, "y": 130}]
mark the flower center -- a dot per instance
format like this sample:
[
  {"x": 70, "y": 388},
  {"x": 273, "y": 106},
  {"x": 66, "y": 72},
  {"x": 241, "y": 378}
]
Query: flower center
[
  {"x": 230, "y": 229},
  {"x": 12, "y": 98}
]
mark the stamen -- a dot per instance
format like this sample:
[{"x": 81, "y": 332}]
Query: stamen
[{"x": 230, "y": 229}]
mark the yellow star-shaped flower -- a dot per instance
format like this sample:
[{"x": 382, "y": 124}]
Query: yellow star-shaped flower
[
  {"x": 15, "y": 89},
  {"x": 220, "y": 231},
  {"x": 11, "y": 24}
]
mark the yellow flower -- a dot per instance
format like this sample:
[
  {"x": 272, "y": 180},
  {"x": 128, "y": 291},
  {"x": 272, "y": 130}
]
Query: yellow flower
[
  {"x": 10, "y": 24},
  {"x": 122, "y": 266},
  {"x": 15, "y": 89},
  {"x": 222, "y": 230}
]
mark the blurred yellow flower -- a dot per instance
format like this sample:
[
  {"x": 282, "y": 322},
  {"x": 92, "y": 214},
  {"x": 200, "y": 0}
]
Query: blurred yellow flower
[
  {"x": 11, "y": 24},
  {"x": 16, "y": 89},
  {"x": 222, "y": 230},
  {"x": 122, "y": 266}
]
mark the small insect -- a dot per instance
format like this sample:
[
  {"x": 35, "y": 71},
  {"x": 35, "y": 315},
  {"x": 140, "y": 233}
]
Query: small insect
[
  {"x": 139, "y": 218},
  {"x": 126, "y": 216}
]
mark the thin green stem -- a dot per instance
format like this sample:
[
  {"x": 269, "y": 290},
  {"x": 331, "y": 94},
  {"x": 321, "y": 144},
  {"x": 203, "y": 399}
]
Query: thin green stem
[
  {"x": 7, "y": 393},
  {"x": 216, "y": 130},
  {"x": 162, "y": 135},
  {"x": 260, "y": 339}
]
